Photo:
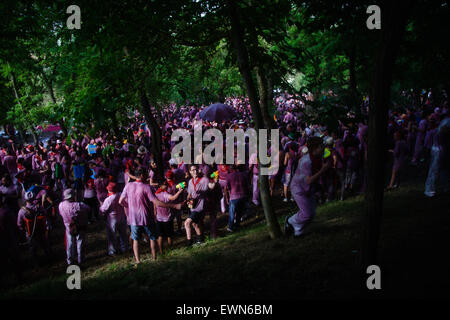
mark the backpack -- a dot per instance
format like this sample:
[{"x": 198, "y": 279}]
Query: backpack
[{"x": 36, "y": 223}]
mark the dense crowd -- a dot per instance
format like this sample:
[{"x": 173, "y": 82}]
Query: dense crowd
[{"x": 87, "y": 180}]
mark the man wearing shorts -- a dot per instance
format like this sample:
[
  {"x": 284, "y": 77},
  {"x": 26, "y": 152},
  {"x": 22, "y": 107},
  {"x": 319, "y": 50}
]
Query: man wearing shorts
[
  {"x": 138, "y": 197},
  {"x": 198, "y": 188}
]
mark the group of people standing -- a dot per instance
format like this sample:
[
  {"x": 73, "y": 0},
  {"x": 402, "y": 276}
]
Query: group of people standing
[{"x": 119, "y": 181}]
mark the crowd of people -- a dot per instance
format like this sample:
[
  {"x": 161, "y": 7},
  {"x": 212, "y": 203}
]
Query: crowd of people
[{"x": 117, "y": 181}]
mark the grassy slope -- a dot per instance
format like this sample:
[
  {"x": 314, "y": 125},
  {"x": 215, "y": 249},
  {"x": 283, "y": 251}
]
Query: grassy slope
[{"x": 248, "y": 264}]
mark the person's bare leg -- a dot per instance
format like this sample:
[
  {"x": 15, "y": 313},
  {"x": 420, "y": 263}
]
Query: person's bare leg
[
  {"x": 169, "y": 242},
  {"x": 197, "y": 228},
  {"x": 391, "y": 184},
  {"x": 153, "y": 248},
  {"x": 285, "y": 191},
  {"x": 160, "y": 244},
  {"x": 136, "y": 250},
  {"x": 187, "y": 226}
]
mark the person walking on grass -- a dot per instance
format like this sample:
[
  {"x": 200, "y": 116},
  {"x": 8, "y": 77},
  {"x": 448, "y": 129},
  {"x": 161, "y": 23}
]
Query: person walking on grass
[
  {"x": 236, "y": 195},
  {"x": 139, "y": 198},
  {"x": 400, "y": 155},
  {"x": 75, "y": 218},
  {"x": 439, "y": 170},
  {"x": 116, "y": 221},
  {"x": 302, "y": 188},
  {"x": 164, "y": 219},
  {"x": 197, "y": 192},
  {"x": 32, "y": 220}
]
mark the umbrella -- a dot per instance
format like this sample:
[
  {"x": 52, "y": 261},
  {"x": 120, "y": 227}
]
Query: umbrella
[{"x": 218, "y": 112}]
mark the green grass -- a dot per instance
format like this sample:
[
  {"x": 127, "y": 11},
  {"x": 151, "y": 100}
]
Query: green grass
[{"x": 248, "y": 264}]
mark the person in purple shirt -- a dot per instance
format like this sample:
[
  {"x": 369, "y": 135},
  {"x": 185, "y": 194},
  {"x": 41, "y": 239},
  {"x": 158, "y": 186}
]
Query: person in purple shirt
[
  {"x": 100, "y": 186},
  {"x": 236, "y": 193},
  {"x": 302, "y": 188},
  {"x": 32, "y": 221},
  {"x": 138, "y": 197},
  {"x": 337, "y": 152},
  {"x": 198, "y": 188},
  {"x": 289, "y": 158},
  {"x": 420, "y": 137},
  {"x": 116, "y": 221},
  {"x": 400, "y": 153},
  {"x": 164, "y": 218},
  {"x": 10, "y": 162},
  {"x": 72, "y": 211}
]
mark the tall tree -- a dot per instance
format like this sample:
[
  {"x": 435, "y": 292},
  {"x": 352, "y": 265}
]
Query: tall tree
[
  {"x": 393, "y": 22},
  {"x": 244, "y": 68}
]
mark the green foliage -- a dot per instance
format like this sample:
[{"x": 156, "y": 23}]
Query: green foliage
[{"x": 181, "y": 51}]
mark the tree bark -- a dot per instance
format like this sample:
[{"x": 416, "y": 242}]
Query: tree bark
[
  {"x": 265, "y": 89},
  {"x": 353, "y": 87},
  {"x": 49, "y": 85},
  {"x": 244, "y": 69},
  {"x": 156, "y": 138},
  {"x": 394, "y": 16},
  {"x": 35, "y": 135}
]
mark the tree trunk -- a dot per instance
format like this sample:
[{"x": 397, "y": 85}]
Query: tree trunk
[
  {"x": 64, "y": 128},
  {"x": 265, "y": 96},
  {"x": 35, "y": 135},
  {"x": 49, "y": 85},
  {"x": 353, "y": 87},
  {"x": 22, "y": 135},
  {"x": 394, "y": 20},
  {"x": 156, "y": 138},
  {"x": 244, "y": 68}
]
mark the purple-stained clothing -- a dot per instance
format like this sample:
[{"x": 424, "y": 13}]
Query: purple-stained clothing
[
  {"x": 237, "y": 185},
  {"x": 289, "y": 166},
  {"x": 352, "y": 158},
  {"x": 21, "y": 216},
  {"x": 198, "y": 190},
  {"x": 139, "y": 197},
  {"x": 112, "y": 209},
  {"x": 89, "y": 193},
  {"x": 115, "y": 167},
  {"x": 420, "y": 139},
  {"x": 255, "y": 189},
  {"x": 338, "y": 152},
  {"x": 10, "y": 163},
  {"x": 303, "y": 196},
  {"x": 100, "y": 189},
  {"x": 70, "y": 211},
  {"x": 401, "y": 151},
  {"x": 362, "y": 131},
  {"x": 115, "y": 223},
  {"x": 178, "y": 175},
  {"x": 429, "y": 137},
  {"x": 163, "y": 214},
  {"x": 298, "y": 183},
  {"x": 10, "y": 191}
]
